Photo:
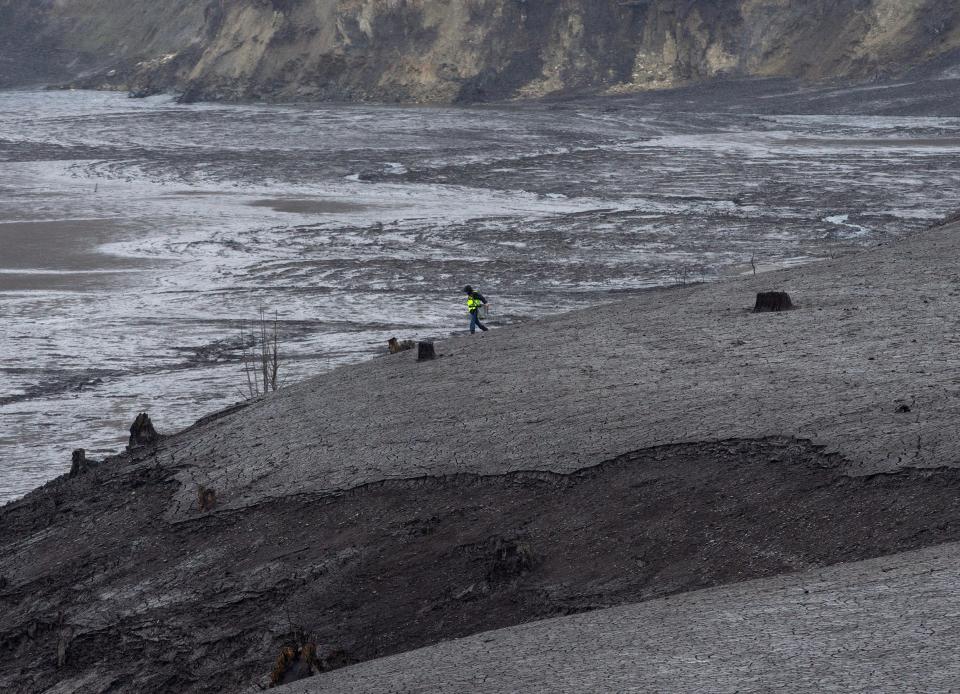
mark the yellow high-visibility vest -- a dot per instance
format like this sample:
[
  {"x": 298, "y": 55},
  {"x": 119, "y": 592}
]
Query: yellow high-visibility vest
[{"x": 473, "y": 303}]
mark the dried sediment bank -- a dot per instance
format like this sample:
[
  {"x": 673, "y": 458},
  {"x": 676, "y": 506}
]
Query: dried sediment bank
[
  {"x": 878, "y": 625},
  {"x": 44, "y": 254},
  {"x": 681, "y": 394},
  {"x": 872, "y": 332}
]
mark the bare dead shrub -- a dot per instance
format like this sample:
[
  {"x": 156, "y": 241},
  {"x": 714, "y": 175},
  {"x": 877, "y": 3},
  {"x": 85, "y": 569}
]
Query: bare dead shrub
[{"x": 261, "y": 356}]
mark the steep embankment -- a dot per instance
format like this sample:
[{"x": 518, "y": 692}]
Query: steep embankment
[
  {"x": 464, "y": 50},
  {"x": 883, "y": 625},
  {"x": 60, "y": 40}
]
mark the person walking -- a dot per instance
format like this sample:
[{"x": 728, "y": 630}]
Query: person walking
[{"x": 474, "y": 301}]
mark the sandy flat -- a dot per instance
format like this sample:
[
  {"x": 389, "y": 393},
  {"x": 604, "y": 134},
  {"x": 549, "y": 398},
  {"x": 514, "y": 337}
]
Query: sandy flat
[
  {"x": 881, "y": 143},
  {"x": 308, "y": 206},
  {"x": 58, "y": 254}
]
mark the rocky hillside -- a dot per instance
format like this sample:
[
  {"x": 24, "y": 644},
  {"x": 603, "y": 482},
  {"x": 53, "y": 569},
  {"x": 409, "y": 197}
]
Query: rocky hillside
[{"x": 460, "y": 50}]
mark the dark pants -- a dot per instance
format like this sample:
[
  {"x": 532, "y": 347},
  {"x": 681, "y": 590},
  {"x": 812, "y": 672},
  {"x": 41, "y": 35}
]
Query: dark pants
[{"x": 475, "y": 322}]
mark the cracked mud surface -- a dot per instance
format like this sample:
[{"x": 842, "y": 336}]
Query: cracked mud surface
[
  {"x": 125, "y": 598},
  {"x": 872, "y": 333}
]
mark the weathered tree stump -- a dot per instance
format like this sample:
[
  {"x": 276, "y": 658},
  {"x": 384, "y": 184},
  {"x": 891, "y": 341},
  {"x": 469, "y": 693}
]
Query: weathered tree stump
[
  {"x": 296, "y": 664},
  {"x": 425, "y": 351},
  {"x": 142, "y": 432},
  {"x": 63, "y": 644},
  {"x": 510, "y": 560},
  {"x": 78, "y": 463},
  {"x": 772, "y": 301},
  {"x": 206, "y": 498}
]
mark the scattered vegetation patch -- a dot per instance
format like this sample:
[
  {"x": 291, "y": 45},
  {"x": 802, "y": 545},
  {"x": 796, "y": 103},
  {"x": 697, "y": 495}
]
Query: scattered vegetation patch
[{"x": 261, "y": 356}]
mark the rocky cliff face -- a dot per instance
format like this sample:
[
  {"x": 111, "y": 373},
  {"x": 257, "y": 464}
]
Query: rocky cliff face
[{"x": 460, "y": 50}]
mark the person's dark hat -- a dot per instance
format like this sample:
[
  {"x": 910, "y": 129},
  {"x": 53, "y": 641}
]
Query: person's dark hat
[{"x": 468, "y": 289}]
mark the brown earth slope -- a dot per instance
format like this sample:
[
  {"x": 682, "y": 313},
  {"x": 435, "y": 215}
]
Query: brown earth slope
[{"x": 460, "y": 50}]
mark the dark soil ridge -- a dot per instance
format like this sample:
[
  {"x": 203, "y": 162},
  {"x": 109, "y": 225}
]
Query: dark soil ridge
[{"x": 99, "y": 591}]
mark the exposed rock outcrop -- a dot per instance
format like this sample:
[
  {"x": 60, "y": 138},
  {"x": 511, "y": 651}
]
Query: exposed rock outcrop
[{"x": 461, "y": 50}]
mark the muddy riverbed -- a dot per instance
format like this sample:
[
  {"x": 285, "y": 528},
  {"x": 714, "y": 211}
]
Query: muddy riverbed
[{"x": 139, "y": 237}]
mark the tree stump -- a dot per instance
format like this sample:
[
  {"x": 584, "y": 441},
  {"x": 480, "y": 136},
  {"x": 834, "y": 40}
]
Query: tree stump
[
  {"x": 142, "y": 432},
  {"x": 78, "y": 463},
  {"x": 63, "y": 644},
  {"x": 425, "y": 351},
  {"x": 772, "y": 301},
  {"x": 296, "y": 664},
  {"x": 206, "y": 498}
]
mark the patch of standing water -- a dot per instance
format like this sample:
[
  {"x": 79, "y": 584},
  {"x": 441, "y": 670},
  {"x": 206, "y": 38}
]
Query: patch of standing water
[{"x": 843, "y": 220}]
